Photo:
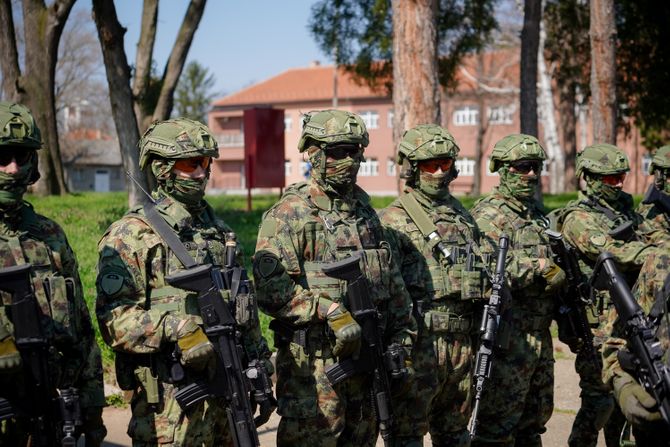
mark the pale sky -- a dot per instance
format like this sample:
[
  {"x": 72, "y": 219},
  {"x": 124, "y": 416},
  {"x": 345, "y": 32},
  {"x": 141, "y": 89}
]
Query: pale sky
[{"x": 241, "y": 42}]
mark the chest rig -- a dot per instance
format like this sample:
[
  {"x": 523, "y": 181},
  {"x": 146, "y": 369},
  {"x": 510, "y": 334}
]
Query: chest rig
[
  {"x": 447, "y": 242},
  {"x": 333, "y": 234},
  {"x": 620, "y": 226}
]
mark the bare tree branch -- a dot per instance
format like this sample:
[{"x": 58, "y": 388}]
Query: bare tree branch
[
  {"x": 145, "y": 48},
  {"x": 9, "y": 55}
]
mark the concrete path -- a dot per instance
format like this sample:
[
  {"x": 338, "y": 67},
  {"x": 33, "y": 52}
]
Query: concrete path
[{"x": 566, "y": 404}]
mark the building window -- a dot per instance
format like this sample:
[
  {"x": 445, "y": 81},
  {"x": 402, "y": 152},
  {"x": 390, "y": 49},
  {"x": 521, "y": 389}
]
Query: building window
[
  {"x": 305, "y": 169},
  {"x": 370, "y": 118},
  {"x": 390, "y": 167},
  {"x": 646, "y": 161},
  {"x": 389, "y": 119},
  {"x": 466, "y": 116},
  {"x": 288, "y": 168},
  {"x": 502, "y": 114},
  {"x": 288, "y": 122},
  {"x": 369, "y": 168},
  {"x": 466, "y": 167}
]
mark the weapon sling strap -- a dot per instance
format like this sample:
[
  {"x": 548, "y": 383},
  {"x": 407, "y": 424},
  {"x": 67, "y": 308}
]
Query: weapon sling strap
[
  {"x": 168, "y": 235},
  {"x": 611, "y": 215},
  {"x": 420, "y": 218}
]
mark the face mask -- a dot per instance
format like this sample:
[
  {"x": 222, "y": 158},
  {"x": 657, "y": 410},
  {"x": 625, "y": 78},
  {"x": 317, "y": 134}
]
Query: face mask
[
  {"x": 435, "y": 186},
  {"x": 608, "y": 193},
  {"x": 520, "y": 186},
  {"x": 13, "y": 187},
  {"x": 189, "y": 191},
  {"x": 342, "y": 173}
]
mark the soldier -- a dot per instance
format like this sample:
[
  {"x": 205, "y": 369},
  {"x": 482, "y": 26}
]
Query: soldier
[
  {"x": 28, "y": 238},
  {"x": 142, "y": 317},
  {"x": 601, "y": 219},
  {"x": 518, "y": 401},
  {"x": 655, "y": 207},
  {"x": 438, "y": 245},
  {"x": 651, "y": 291},
  {"x": 316, "y": 222}
]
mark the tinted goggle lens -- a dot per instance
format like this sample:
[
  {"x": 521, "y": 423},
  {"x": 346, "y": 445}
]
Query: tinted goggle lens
[
  {"x": 21, "y": 156},
  {"x": 191, "y": 164},
  {"x": 613, "y": 179},
  {"x": 431, "y": 166},
  {"x": 342, "y": 151},
  {"x": 524, "y": 167}
]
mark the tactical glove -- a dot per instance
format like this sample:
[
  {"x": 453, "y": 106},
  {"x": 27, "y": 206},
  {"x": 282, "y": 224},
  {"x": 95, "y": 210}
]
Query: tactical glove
[
  {"x": 10, "y": 359},
  {"x": 196, "y": 350},
  {"x": 347, "y": 332},
  {"x": 554, "y": 276},
  {"x": 636, "y": 404}
]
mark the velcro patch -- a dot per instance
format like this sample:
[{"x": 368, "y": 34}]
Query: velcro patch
[
  {"x": 598, "y": 240},
  {"x": 266, "y": 265},
  {"x": 111, "y": 282}
]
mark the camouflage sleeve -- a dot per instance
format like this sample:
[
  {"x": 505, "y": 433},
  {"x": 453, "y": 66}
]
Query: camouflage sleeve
[
  {"x": 127, "y": 323},
  {"x": 89, "y": 381},
  {"x": 583, "y": 231},
  {"x": 277, "y": 270},
  {"x": 654, "y": 225},
  {"x": 610, "y": 348},
  {"x": 522, "y": 270}
]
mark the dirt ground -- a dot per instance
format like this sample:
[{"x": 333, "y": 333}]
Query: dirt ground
[{"x": 566, "y": 403}]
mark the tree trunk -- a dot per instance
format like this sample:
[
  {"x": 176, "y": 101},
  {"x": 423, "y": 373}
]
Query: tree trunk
[
  {"x": 416, "y": 91},
  {"x": 175, "y": 63},
  {"x": 530, "y": 41},
  {"x": 41, "y": 52},
  {"x": 566, "y": 109},
  {"x": 145, "y": 48},
  {"x": 482, "y": 125},
  {"x": 603, "y": 71},
  {"x": 9, "y": 55},
  {"x": 111, "y": 34}
]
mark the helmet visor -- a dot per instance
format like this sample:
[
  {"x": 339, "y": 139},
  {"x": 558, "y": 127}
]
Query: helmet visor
[
  {"x": 21, "y": 156},
  {"x": 525, "y": 166},
  {"x": 189, "y": 165},
  {"x": 613, "y": 179},
  {"x": 431, "y": 166}
]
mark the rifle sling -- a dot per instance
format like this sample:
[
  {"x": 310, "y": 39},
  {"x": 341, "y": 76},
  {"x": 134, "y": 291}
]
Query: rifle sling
[
  {"x": 168, "y": 235},
  {"x": 420, "y": 218}
]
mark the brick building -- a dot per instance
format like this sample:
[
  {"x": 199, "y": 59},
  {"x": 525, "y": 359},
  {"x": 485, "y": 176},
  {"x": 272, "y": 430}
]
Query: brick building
[{"x": 483, "y": 108}]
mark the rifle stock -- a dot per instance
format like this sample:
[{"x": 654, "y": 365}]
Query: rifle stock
[
  {"x": 651, "y": 372},
  {"x": 488, "y": 330}
]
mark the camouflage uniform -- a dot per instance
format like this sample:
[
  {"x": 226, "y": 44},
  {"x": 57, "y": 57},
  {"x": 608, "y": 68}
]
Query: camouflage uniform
[
  {"x": 29, "y": 238},
  {"x": 141, "y": 316},
  {"x": 444, "y": 290},
  {"x": 588, "y": 224},
  {"x": 648, "y": 427},
  {"x": 656, "y": 216},
  {"x": 518, "y": 400},
  {"x": 323, "y": 220}
]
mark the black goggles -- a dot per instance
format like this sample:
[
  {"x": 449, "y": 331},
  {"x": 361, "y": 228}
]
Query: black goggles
[
  {"x": 21, "y": 156},
  {"x": 342, "y": 151},
  {"x": 525, "y": 166}
]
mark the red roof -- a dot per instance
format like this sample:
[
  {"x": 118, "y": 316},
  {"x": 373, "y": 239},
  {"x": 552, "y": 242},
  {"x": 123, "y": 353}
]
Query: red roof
[{"x": 299, "y": 85}]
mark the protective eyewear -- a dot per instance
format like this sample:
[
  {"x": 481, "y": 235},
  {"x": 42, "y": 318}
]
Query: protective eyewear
[
  {"x": 192, "y": 164},
  {"x": 21, "y": 156},
  {"x": 525, "y": 166},
  {"x": 431, "y": 166},
  {"x": 342, "y": 151},
  {"x": 613, "y": 179}
]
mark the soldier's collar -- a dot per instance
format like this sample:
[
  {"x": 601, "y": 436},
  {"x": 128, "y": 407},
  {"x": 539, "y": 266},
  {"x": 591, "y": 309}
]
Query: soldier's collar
[
  {"x": 331, "y": 202},
  {"x": 174, "y": 213}
]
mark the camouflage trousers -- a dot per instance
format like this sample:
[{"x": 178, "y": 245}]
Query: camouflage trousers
[
  {"x": 442, "y": 363},
  {"x": 596, "y": 407},
  {"x": 518, "y": 400},
  {"x": 313, "y": 412},
  {"x": 205, "y": 424}
]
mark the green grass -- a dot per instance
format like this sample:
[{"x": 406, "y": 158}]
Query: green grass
[{"x": 86, "y": 216}]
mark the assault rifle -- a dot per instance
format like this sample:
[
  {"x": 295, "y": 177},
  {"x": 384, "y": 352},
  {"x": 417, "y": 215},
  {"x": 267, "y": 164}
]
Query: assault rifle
[
  {"x": 373, "y": 358},
  {"x": 488, "y": 330},
  {"x": 644, "y": 357},
  {"x": 657, "y": 197},
  {"x": 53, "y": 413},
  {"x": 573, "y": 322}
]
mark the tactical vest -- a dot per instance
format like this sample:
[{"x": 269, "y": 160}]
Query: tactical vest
[
  {"x": 330, "y": 235},
  {"x": 55, "y": 292}
]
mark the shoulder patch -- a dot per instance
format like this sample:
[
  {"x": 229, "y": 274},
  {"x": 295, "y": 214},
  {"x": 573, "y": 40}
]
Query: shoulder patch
[
  {"x": 266, "y": 264},
  {"x": 598, "y": 240},
  {"x": 111, "y": 282}
]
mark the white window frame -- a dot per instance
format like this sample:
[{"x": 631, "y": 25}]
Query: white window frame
[
  {"x": 288, "y": 122},
  {"x": 501, "y": 114},
  {"x": 644, "y": 165},
  {"x": 370, "y": 118},
  {"x": 466, "y": 167},
  {"x": 467, "y": 115},
  {"x": 390, "y": 167},
  {"x": 369, "y": 168},
  {"x": 288, "y": 168},
  {"x": 389, "y": 119}
]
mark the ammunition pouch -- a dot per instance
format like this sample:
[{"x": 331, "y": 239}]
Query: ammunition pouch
[
  {"x": 246, "y": 311},
  {"x": 445, "y": 322}
]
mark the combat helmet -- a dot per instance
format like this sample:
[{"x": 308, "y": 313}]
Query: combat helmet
[
  {"x": 515, "y": 147},
  {"x": 601, "y": 159},
  {"x": 424, "y": 142},
  {"x": 661, "y": 159},
  {"x": 17, "y": 127},
  {"x": 324, "y": 127},
  {"x": 177, "y": 138}
]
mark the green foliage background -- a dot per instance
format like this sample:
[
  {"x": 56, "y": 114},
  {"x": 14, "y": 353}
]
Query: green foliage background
[{"x": 86, "y": 216}]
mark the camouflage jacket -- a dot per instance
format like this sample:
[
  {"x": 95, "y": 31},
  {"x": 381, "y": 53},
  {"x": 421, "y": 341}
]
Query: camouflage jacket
[
  {"x": 134, "y": 299},
  {"x": 656, "y": 219},
  {"x": 308, "y": 228},
  {"x": 431, "y": 279},
  {"x": 525, "y": 224},
  {"x": 648, "y": 293},
  {"x": 75, "y": 361},
  {"x": 587, "y": 228}
]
